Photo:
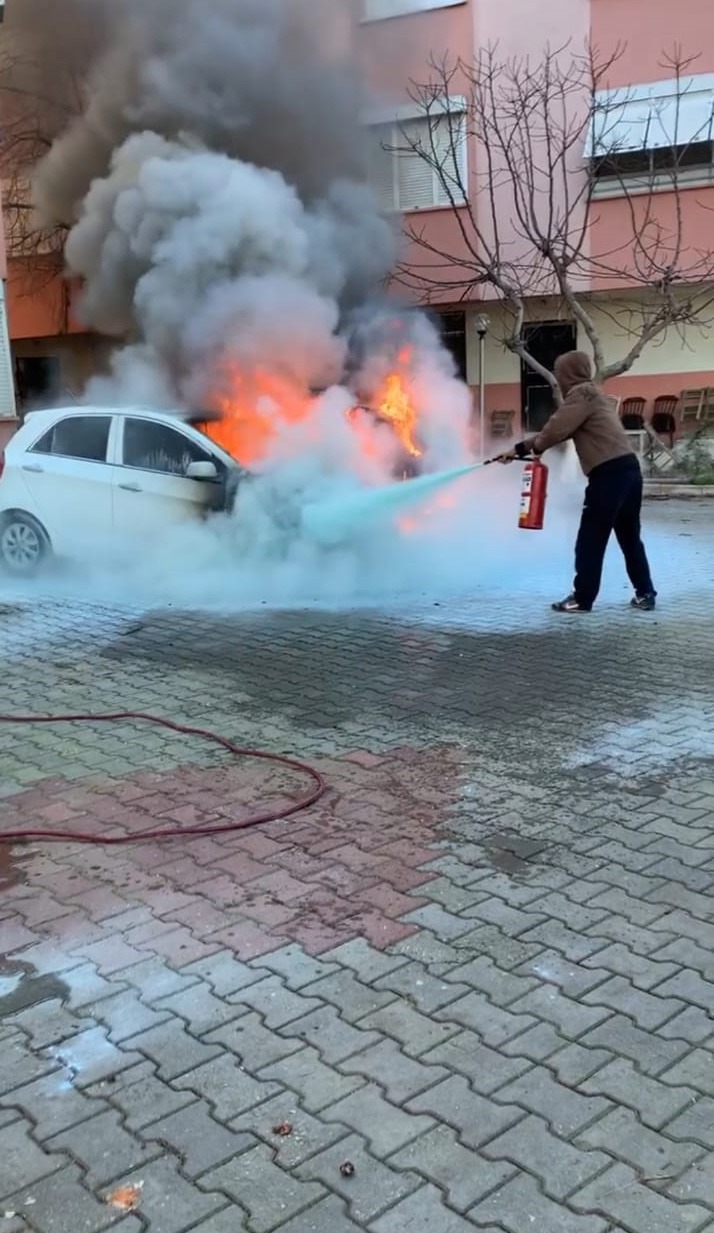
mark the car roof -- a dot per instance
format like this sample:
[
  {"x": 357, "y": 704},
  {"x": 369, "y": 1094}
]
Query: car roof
[{"x": 47, "y": 416}]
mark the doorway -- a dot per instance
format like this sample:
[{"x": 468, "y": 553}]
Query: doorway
[
  {"x": 545, "y": 340},
  {"x": 452, "y": 328}
]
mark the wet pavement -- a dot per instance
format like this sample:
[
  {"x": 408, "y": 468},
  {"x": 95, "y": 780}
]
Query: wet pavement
[{"x": 471, "y": 989}]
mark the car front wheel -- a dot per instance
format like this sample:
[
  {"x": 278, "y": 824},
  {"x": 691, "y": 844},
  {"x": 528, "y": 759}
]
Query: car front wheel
[{"x": 23, "y": 543}]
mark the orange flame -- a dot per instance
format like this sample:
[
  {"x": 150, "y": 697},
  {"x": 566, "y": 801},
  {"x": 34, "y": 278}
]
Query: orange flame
[
  {"x": 254, "y": 407},
  {"x": 395, "y": 407}
]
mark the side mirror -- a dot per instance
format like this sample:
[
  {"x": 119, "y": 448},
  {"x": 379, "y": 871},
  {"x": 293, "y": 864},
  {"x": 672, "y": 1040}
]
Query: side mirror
[{"x": 201, "y": 471}]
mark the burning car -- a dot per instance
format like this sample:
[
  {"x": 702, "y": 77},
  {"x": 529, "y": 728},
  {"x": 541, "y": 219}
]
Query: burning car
[{"x": 71, "y": 472}]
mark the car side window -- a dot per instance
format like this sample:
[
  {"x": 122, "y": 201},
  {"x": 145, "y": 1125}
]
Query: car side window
[
  {"x": 85, "y": 437},
  {"x": 151, "y": 446}
]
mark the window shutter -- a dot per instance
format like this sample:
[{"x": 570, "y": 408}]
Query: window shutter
[
  {"x": 448, "y": 137},
  {"x": 381, "y": 165},
  {"x": 7, "y": 382},
  {"x": 415, "y": 175}
]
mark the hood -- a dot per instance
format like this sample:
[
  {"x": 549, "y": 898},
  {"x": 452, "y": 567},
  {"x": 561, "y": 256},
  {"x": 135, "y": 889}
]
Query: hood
[{"x": 573, "y": 368}]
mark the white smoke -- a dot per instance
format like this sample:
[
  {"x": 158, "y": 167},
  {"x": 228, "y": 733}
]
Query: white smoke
[{"x": 222, "y": 227}]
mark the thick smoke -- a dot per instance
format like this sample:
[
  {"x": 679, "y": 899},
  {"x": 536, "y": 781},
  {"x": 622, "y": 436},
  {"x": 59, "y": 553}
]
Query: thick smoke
[
  {"x": 220, "y": 220},
  {"x": 215, "y": 186}
]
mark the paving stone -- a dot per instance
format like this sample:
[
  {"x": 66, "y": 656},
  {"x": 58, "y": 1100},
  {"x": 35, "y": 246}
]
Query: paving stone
[
  {"x": 559, "y": 1167},
  {"x": 646, "y": 1009},
  {"x": 172, "y": 1048},
  {"x": 398, "y": 1074},
  {"x": 476, "y": 1118},
  {"x": 103, "y": 1148},
  {"x": 296, "y": 967},
  {"x": 486, "y": 1069},
  {"x": 316, "y": 1084},
  {"x": 571, "y": 1018},
  {"x": 54, "y": 1104},
  {"x": 696, "y": 1185},
  {"x": 226, "y": 1086},
  {"x": 61, "y": 1204},
  {"x": 622, "y": 1135},
  {"x": 385, "y": 1127},
  {"x": 125, "y": 1015},
  {"x": 200, "y": 1009},
  {"x": 492, "y": 1024},
  {"x": 422, "y": 1210},
  {"x": 169, "y": 1203},
  {"x": 463, "y": 1175},
  {"x": 696, "y": 1122},
  {"x": 230, "y": 1219},
  {"x": 538, "y": 1043},
  {"x": 690, "y": 987},
  {"x": 197, "y": 1139},
  {"x": 141, "y": 1096},
  {"x": 654, "y": 1102},
  {"x": 269, "y": 1195},
  {"x": 327, "y": 1216},
  {"x": 571, "y": 978},
  {"x": 334, "y": 1039},
  {"x": 349, "y": 995},
  {"x": 252, "y": 1043},
  {"x": 695, "y": 1070},
  {"x": 506, "y": 1208},
  {"x": 425, "y": 992},
  {"x": 621, "y": 1197},
  {"x": 692, "y": 1024},
  {"x": 416, "y": 1033},
  {"x": 372, "y": 1188},
  {"x": 22, "y": 1162},
  {"x": 275, "y": 1003},
  {"x": 565, "y": 1111},
  {"x": 365, "y": 960},
  {"x": 643, "y": 972},
  {"x": 649, "y": 1050},
  {"x": 308, "y": 1135}
]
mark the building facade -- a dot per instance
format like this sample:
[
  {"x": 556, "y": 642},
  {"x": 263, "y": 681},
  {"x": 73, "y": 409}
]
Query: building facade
[
  {"x": 398, "y": 42},
  {"x": 400, "y": 39}
]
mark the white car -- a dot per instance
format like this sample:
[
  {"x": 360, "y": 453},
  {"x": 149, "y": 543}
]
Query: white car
[{"x": 78, "y": 470}]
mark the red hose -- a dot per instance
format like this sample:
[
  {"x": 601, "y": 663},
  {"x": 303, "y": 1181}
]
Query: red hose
[{"x": 170, "y": 832}]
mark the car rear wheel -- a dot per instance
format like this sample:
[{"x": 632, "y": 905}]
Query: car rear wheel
[{"x": 23, "y": 543}]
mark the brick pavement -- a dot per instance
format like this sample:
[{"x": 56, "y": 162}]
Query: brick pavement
[{"x": 479, "y": 971}]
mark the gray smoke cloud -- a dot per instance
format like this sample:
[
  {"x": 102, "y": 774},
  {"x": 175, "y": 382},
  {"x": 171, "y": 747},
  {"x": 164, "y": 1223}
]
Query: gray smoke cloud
[{"x": 216, "y": 192}]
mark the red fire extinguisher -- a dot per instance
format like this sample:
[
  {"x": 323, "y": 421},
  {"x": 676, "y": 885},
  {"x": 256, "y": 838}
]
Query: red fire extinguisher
[{"x": 534, "y": 491}]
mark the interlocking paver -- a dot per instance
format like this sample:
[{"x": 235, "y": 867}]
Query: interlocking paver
[
  {"x": 522, "y": 1196},
  {"x": 622, "y": 1135},
  {"x": 424, "y": 1209},
  {"x": 269, "y": 1195},
  {"x": 477, "y": 924},
  {"x": 621, "y": 1196}
]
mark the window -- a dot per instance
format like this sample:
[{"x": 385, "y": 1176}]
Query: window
[
  {"x": 650, "y": 133},
  {"x": 377, "y": 10},
  {"x": 79, "y": 436},
  {"x": 151, "y": 446},
  {"x": 419, "y": 163},
  {"x": 452, "y": 327}
]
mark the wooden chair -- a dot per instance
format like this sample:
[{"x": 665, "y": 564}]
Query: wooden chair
[
  {"x": 502, "y": 423},
  {"x": 632, "y": 413},
  {"x": 664, "y": 416}
]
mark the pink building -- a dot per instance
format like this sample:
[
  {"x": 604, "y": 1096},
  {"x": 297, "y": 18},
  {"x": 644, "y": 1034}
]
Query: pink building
[{"x": 398, "y": 40}]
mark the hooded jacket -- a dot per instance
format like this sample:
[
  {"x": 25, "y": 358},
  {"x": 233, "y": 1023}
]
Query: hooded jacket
[{"x": 586, "y": 416}]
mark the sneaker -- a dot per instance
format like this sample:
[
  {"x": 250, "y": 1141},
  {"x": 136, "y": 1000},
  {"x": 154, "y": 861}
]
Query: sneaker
[
  {"x": 571, "y": 604},
  {"x": 643, "y": 603}
]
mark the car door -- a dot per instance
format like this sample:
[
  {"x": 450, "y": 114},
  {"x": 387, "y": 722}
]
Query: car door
[
  {"x": 151, "y": 489},
  {"x": 70, "y": 480}
]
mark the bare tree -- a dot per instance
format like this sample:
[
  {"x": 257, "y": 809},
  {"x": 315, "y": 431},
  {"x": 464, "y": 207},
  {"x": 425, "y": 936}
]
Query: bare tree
[
  {"x": 45, "y": 51},
  {"x": 550, "y": 142}
]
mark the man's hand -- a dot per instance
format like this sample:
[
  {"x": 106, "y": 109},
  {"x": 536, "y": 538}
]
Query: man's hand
[{"x": 511, "y": 456}]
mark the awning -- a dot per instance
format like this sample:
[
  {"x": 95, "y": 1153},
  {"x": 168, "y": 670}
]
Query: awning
[{"x": 652, "y": 116}]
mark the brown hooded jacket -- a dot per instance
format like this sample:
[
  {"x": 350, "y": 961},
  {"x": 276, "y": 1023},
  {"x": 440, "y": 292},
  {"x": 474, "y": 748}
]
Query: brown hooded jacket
[{"x": 587, "y": 416}]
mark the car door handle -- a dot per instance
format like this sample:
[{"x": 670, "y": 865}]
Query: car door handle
[
  {"x": 34, "y": 468},
  {"x": 130, "y": 487}
]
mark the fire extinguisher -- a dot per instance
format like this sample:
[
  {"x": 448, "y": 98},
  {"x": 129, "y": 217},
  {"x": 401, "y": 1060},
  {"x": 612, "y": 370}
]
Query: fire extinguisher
[{"x": 534, "y": 492}]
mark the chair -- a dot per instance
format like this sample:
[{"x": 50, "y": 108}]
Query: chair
[
  {"x": 502, "y": 423},
  {"x": 632, "y": 413},
  {"x": 664, "y": 421}
]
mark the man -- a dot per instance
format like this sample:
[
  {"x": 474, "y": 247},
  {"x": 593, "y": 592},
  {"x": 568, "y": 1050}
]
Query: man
[{"x": 613, "y": 497}]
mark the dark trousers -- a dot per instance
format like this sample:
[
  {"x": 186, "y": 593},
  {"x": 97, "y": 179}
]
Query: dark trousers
[{"x": 613, "y": 502}]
